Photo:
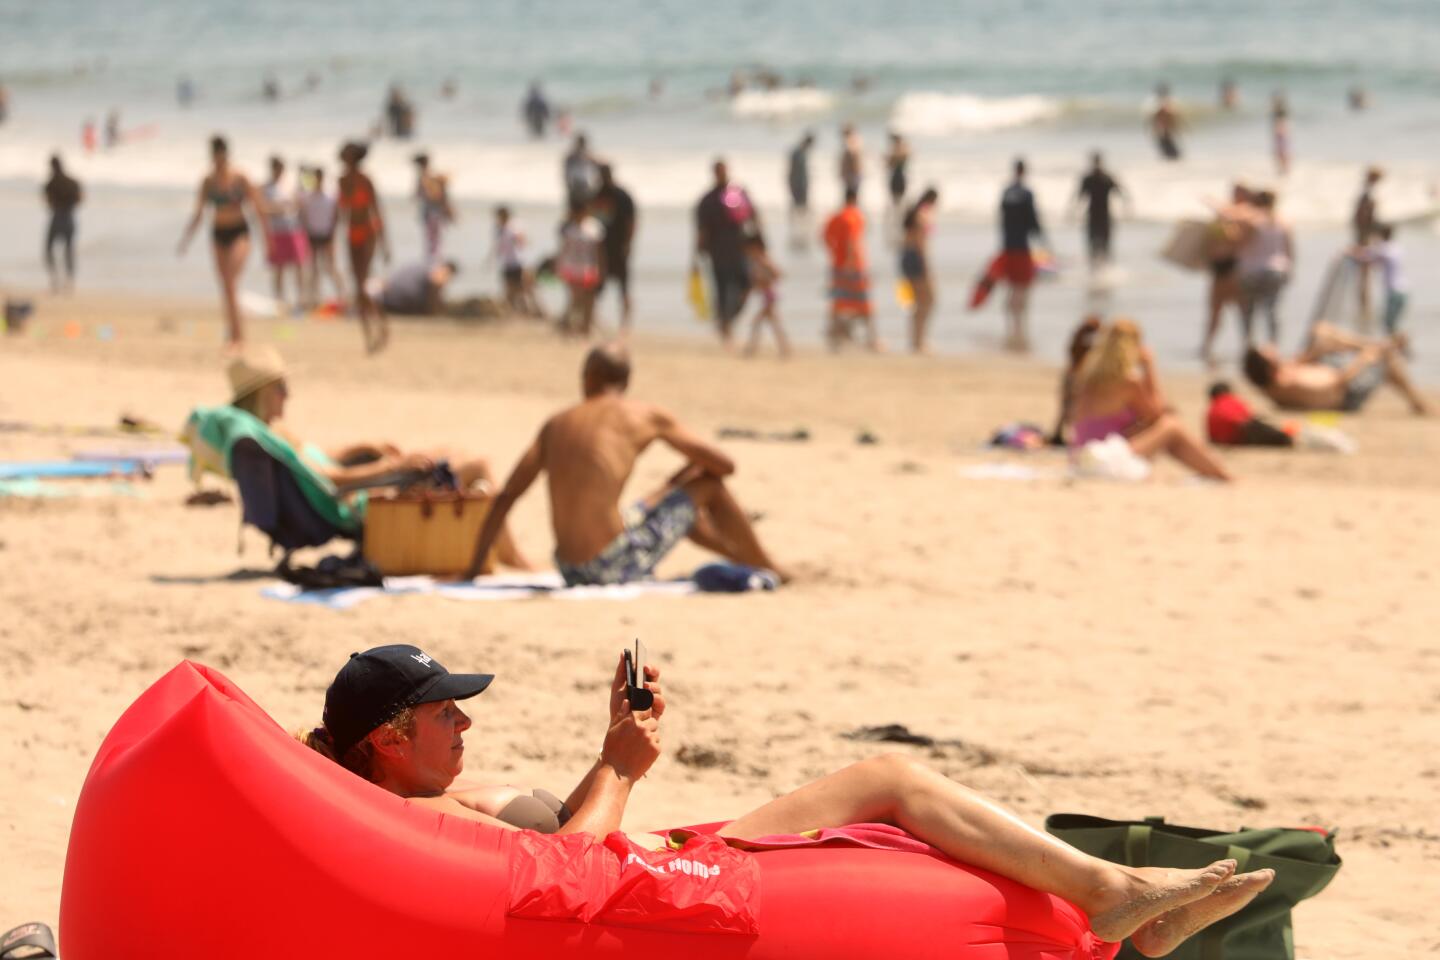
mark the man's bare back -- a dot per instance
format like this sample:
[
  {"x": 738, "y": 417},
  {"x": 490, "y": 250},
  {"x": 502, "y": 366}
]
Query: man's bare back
[
  {"x": 588, "y": 453},
  {"x": 1307, "y": 386}
]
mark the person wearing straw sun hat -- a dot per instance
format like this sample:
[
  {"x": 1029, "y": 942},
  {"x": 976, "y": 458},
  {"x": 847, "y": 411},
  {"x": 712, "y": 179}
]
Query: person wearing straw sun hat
[{"x": 259, "y": 385}]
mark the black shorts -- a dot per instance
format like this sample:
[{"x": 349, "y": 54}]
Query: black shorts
[
  {"x": 1098, "y": 236},
  {"x": 1223, "y": 267},
  {"x": 513, "y": 275},
  {"x": 617, "y": 268},
  {"x": 321, "y": 240},
  {"x": 226, "y": 237},
  {"x": 912, "y": 264}
]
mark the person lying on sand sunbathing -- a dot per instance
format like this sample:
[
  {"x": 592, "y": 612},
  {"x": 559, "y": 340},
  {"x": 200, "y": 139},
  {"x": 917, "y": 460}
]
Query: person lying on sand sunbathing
[
  {"x": 1337, "y": 371},
  {"x": 589, "y": 451},
  {"x": 1117, "y": 392},
  {"x": 392, "y": 716},
  {"x": 259, "y": 387}
]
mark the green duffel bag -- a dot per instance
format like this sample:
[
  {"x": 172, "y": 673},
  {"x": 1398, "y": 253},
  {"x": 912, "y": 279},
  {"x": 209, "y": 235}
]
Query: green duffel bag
[{"x": 1304, "y": 862}]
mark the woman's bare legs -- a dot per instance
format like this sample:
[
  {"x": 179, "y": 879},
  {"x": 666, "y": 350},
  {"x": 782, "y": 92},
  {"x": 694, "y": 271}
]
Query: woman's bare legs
[
  {"x": 326, "y": 256},
  {"x": 765, "y": 317},
  {"x": 920, "y": 318},
  {"x": 896, "y": 790},
  {"x": 1223, "y": 290},
  {"x": 1016, "y": 302},
  {"x": 781, "y": 341},
  {"x": 361, "y": 256},
  {"x": 752, "y": 344},
  {"x": 1169, "y": 435},
  {"x": 229, "y": 264}
]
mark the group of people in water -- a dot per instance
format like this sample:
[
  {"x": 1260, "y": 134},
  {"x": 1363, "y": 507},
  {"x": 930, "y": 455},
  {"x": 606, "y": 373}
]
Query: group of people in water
[{"x": 1166, "y": 120}]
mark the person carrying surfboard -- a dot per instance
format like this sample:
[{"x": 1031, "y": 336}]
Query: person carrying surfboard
[{"x": 1016, "y": 262}]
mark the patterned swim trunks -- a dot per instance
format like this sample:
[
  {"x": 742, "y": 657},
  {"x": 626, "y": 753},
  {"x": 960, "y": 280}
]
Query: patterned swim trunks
[{"x": 649, "y": 534}]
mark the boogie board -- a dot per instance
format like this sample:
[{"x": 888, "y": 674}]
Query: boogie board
[
  {"x": 985, "y": 283},
  {"x": 1188, "y": 245}
]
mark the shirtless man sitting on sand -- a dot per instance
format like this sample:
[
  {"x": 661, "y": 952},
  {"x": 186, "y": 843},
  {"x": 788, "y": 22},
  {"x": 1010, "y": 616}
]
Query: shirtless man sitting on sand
[
  {"x": 1337, "y": 371},
  {"x": 589, "y": 452}
]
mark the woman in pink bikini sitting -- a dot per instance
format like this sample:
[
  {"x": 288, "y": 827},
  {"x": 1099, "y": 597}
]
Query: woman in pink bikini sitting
[{"x": 1116, "y": 392}]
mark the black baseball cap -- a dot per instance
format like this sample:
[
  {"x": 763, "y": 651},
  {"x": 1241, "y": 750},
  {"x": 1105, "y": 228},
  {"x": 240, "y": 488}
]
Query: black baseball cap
[{"x": 375, "y": 685}]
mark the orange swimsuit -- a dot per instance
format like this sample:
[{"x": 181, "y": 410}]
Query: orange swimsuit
[{"x": 357, "y": 203}]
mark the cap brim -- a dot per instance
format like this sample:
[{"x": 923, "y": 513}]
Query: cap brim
[{"x": 456, "y": 686}]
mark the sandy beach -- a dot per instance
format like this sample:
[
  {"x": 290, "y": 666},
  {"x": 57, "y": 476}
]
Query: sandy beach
[{"x": 1260, "y": 654}]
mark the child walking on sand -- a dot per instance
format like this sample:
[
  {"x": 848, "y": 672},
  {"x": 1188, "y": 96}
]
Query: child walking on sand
[
  {"x": 581, "y": 264},
  {"x": 763, "y": 277}
]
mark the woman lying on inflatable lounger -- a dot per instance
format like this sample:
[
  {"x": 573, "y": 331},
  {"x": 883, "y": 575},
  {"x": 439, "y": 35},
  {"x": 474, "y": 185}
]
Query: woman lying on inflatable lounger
[{"x": 391, "y": 716}]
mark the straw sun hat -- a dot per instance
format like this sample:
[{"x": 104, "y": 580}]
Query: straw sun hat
[{"x": 253, "y": 369}]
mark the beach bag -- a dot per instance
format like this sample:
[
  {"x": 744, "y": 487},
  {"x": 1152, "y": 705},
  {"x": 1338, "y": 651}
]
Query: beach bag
[
  {"x": 425, "y": 532},
  {"x": 1304, "y": 861}
]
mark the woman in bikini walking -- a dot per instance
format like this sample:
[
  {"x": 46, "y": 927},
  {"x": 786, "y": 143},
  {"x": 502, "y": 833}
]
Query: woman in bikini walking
[
  {"x": 365, "y": 229},
  {"x": 227, "y": 191}
]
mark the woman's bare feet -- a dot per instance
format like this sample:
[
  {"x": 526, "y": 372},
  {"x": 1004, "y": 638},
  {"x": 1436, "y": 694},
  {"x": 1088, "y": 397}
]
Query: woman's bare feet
[
  {"x": 1146, "y": 893},
  {"x": 1169, "y": 930}
]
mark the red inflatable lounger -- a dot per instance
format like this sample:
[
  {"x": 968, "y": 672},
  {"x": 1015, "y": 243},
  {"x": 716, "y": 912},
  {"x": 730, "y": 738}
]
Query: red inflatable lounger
[{"x": 205, "y": 831}]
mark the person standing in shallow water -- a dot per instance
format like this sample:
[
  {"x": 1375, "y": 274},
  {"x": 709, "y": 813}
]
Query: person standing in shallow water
[
  {"x": 917, "y": 225},
  {"x": 849, "y": 276},
  {"x": 615, "y": 209},
  {"x": 1280, "y": 133},
  {"x": 1364, "y": 221},
  {"x": 227, "y": 192},
  {"x": 798, "y": 181},
  {"x": 62, "y": 195},
  {"x": 1165, "y": 124},
  {"x": 724, "y": 218},
  {"x": 1095, "y": 190},
  {"x": 1019, "y": 221},
  {"x": 852, "y": 159},
  {"x": 897, "y": 162},
  {"x": 432, "y": 193}
]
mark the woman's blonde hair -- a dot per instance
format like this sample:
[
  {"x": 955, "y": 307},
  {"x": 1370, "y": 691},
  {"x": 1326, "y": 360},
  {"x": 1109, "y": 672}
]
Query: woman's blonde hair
[
  {"x": 1114, "y": 357},
  {"x": 359, "y": 759}
]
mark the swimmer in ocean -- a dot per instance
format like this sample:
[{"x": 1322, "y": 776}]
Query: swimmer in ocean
[
  {"x": 1280, "y": 132},
  {"x": 1165, "y": 123}
]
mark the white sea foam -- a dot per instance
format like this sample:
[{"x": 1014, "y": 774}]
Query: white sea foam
[
  {"x": 490, "y": 170},
  {"x": 936, "y": 114},
  {"x": 777, "y": 104}
]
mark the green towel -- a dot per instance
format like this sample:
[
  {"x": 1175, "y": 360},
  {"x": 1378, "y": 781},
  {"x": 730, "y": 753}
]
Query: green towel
[{"x": 211, "y": 432}]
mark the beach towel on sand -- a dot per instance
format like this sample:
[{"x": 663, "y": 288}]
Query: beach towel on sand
[
  {"x": 504, "y": 586},
  {"x": 211, "y": 434}
]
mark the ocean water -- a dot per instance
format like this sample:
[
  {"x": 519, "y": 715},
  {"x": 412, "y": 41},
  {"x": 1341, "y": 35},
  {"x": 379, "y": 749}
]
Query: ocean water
[{"x": 973, "y": 84}]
